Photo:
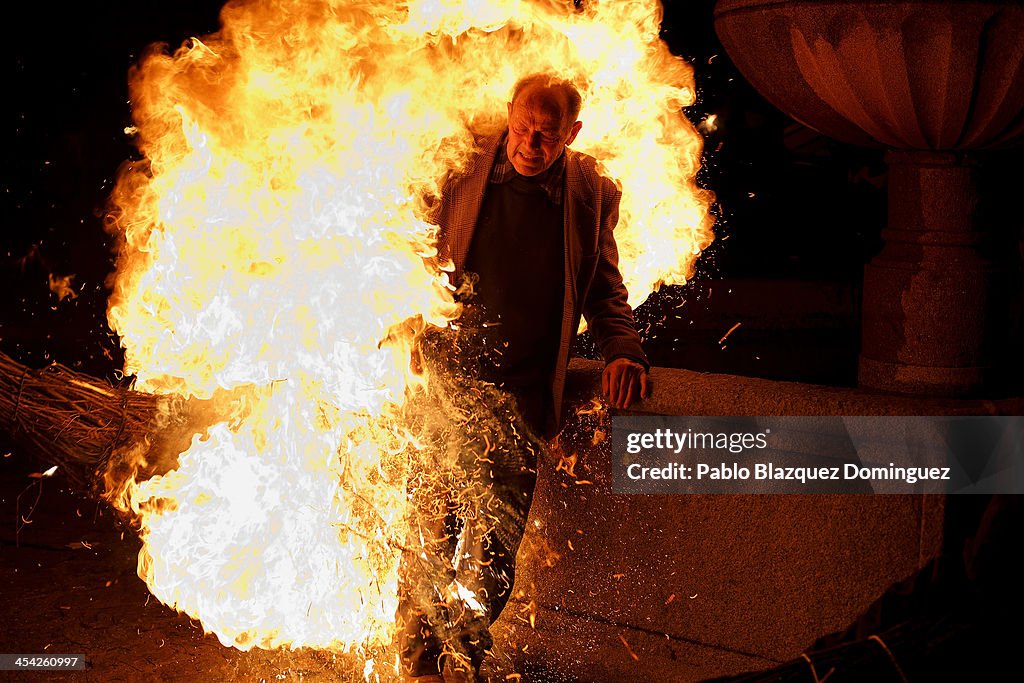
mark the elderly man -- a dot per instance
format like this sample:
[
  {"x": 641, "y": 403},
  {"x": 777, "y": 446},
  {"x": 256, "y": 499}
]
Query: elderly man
[{"x": 529, "y": 230}]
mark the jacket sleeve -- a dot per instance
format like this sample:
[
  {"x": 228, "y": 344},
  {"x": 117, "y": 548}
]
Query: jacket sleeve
[{"x": 606, "y": 308}]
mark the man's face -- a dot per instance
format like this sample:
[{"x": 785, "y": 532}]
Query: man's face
[{"x": 538, "y": 130}]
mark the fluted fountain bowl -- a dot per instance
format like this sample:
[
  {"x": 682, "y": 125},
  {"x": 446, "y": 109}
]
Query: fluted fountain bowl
[{"x": 925, "y": 75}]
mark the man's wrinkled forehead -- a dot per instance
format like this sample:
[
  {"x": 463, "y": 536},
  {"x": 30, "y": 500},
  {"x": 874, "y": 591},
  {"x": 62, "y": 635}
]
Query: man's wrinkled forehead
[{"x": 546, "y": 106}]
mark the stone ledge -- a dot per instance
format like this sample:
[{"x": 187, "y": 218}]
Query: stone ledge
[
  {"x": 710, "y": 585},
  {"x": 686, "y": 392}
]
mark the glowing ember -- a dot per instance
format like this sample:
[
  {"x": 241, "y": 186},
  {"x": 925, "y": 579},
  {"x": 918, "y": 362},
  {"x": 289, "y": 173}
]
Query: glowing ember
[{"x": 274, "y": 245}]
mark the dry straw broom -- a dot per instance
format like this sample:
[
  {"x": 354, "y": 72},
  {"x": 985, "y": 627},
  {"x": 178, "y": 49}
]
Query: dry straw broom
[{"x": 89, "y": 428}]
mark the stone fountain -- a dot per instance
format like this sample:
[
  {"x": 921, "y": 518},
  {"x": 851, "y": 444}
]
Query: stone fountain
[{"x": 937, "y": 84}]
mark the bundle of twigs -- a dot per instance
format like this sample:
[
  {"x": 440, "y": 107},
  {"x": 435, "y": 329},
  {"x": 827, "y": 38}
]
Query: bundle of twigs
[{"x": 69, "y": 419}]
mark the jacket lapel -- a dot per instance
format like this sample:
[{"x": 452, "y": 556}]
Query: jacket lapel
[
  {"x": 579, "y": 218},
  {"x": 470, "y": 200}
]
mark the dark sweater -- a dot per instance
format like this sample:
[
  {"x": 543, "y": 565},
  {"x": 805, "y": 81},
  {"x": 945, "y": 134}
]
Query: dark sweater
[{"x": 518, "y": 251}]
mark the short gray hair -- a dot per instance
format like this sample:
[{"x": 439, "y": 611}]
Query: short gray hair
[{"x": 548, "y": 81}]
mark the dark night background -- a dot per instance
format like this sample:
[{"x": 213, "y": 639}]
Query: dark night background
[
  {"x": 794, "y": 208},
  {"x": 66, "y": 109}
]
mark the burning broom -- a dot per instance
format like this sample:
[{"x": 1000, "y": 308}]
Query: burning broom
[{"x": 86, "y": 426}]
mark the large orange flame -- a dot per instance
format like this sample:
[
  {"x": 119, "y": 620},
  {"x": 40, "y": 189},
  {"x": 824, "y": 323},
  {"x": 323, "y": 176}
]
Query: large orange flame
[{"x": 273, "y": 237}]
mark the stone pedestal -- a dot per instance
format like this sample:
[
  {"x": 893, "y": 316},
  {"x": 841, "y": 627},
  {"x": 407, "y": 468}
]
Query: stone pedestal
[{"x": 936, "y": 298}]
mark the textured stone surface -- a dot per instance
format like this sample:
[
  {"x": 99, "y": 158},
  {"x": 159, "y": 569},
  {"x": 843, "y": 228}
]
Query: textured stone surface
[{"x": 752, "y": 579}]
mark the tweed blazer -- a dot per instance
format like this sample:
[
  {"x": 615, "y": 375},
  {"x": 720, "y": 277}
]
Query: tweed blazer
[{"x": 593, "y": 284}]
